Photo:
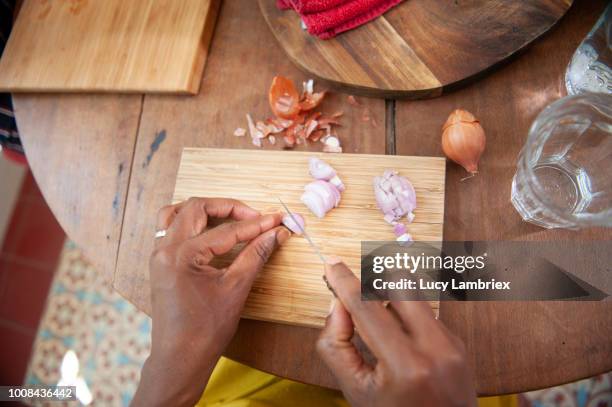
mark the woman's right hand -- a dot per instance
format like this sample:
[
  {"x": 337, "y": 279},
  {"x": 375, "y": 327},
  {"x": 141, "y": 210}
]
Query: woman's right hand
[{"x": 419, "y": 361}]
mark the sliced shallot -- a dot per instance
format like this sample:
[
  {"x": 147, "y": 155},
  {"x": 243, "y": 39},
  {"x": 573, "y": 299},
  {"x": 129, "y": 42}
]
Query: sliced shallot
[
  {"x": 320, "y": 197},
  {"x": 319, "y": 169},
  {"x": 290, "y": 223}
]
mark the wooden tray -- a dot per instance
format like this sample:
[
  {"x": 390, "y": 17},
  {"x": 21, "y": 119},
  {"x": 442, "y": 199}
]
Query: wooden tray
[
  {"x": 108, "y": 46},
  {"x": 420, "y": 48},
  {"x": 291, "y": 289}
]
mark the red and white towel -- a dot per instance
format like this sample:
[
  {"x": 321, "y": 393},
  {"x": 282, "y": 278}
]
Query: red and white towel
[{"x": 328, "y": 18}]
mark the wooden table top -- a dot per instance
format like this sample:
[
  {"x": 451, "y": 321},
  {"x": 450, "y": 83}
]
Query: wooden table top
[{"x": 106, "y": 163}]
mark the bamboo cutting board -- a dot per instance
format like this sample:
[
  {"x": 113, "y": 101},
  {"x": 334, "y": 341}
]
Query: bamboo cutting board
[
  {"x": 108, "y": 46},
  {"x": 290, "y": 289},
  {"x": 420, "y": 48}
]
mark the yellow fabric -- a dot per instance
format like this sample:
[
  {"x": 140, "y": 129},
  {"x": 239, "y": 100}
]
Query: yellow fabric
[
  {"x": 235, "y": 385},
  {"x": 498, "y": 401}
]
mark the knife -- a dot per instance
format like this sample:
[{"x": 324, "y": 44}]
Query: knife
[
  {"x": 309, "y": 240},
  {"x": 306, "y": 236}
]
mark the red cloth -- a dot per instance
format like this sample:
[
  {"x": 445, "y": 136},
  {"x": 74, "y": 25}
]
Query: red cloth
[
  {"x": 15, "y": 157},
  {"x": 338, "y": 16},
  {"x": 309, "y": 6}
]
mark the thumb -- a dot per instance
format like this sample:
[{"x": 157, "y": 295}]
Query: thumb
[
  {"x": 255, "y": 254},
  {"x": 335, "y": 347}
]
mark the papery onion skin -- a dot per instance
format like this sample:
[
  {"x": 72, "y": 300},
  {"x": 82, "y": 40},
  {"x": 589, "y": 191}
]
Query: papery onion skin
[
  {"x": 463, "y": 139},
  {"x": 283, "y": 98},
  {"x": 290, "y": 223}
]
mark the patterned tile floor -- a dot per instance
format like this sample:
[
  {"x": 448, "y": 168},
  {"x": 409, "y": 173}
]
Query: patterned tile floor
[{"x": 110, "y": 338}]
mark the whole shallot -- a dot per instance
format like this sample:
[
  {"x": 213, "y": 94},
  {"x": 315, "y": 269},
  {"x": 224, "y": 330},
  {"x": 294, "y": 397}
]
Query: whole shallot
[{"x": 463, "y": 140}]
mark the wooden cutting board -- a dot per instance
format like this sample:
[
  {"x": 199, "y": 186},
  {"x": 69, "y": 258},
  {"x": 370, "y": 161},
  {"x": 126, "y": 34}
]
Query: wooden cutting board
[
  {"x": 420, "y": 48},
  {"x": 108, "y": 46},
  {"x": 290, "y": 289}
]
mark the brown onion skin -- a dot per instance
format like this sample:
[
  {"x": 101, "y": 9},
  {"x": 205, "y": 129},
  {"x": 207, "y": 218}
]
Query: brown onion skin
[{"x": 463, "y": 139}]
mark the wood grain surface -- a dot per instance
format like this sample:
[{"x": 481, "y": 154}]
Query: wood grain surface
[
  {"x": 79, "y": 149},
  {"x": 109, "y": 46},
  {"x": 419, "y": 48},
  {"x": 290, "y": 288},
  {"x": 513, "y": 347},
  {"x": 542, "y": 339}
]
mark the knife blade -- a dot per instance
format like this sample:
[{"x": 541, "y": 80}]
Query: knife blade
[
  {"x": 309, "y": 240},
  {"x": 306, "y": 236}
]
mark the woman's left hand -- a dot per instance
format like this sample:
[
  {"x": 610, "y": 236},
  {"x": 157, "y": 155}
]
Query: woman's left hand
[{"x": 195, "y": 306}]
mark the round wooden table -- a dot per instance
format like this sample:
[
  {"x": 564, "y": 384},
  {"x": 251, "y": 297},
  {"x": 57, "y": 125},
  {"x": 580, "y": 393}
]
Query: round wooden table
[{"x": 106, "y": 163}]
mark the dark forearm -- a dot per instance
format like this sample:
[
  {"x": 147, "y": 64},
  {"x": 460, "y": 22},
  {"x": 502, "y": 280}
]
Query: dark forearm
[{"x": 175, "y": 382}]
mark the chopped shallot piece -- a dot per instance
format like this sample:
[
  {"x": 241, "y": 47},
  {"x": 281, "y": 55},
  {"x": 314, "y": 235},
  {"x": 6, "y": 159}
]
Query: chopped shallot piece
[
  {"x": 410, "y": 217},
  {"x": 332, "y": 141},
  {"x": 405, "y": 239},
  {"x": 390, "y": 219},
  {"x": 332, "y": 145},
  {"x": 365, "y": 115},
  {"x": 399, "y": 229},
  {"x": 240, "y": 132},
  {"x": 308, "y": 86},
  {"x": 294, "y": 222},
  {"x": 352, "y": 100}
]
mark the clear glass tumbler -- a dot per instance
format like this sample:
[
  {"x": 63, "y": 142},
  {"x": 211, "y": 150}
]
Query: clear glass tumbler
[
  {"x": 590, "y": 69},
  {"x": 564, "y": 171}
]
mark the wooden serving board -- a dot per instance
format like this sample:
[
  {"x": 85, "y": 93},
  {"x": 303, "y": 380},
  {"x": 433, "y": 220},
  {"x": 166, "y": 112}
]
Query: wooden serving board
[
  {"x": 108, "y": 46},
  {"x": 290, "y": 289},
  {"x": 420, "y": 48}
]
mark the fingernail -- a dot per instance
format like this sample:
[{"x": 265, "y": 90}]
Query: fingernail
[
  {"x": 329, "y": 287},
  {"x": 282, "y": 236},
  {"x": 333, "y": 260},
  {"x": 332, "y": 305}
]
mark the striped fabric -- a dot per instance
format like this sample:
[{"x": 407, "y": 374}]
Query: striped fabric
[{"x": 9, "y": 136}]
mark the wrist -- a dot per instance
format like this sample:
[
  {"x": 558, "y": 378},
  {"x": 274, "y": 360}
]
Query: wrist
[{"x": 174, "y": 382}]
